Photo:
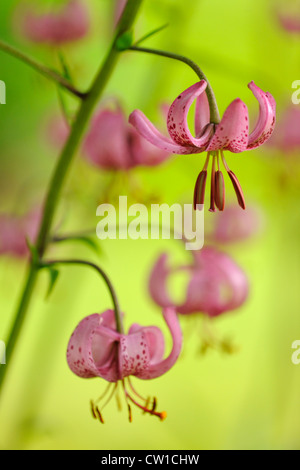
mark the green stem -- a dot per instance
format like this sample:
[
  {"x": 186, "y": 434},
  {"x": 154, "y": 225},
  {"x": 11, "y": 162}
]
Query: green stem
[
  {"x": 118, "y": 315},
  {"x": 60, "y": 173},
  {"x": 214, "y": 111},
  {"x": 42, "y": 69}
]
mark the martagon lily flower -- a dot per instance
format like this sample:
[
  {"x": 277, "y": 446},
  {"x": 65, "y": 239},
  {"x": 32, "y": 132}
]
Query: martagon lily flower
[
  {"x": 96, "y": 349},
  {"x": 231, "y": 134},
  {"x": 112, "y": 144},
  {"x": 216, "y": 284},
  {"x": 70, "y": 23}
]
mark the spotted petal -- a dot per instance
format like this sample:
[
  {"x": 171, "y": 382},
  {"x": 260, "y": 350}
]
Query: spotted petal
[
  {"x": 177, "y": 118},
  {"x": 155, "y": 137},
  {"x": 267, "y": 117},
  {"x": 92, "y": 349},
  {"x": 232, "y": 132}
]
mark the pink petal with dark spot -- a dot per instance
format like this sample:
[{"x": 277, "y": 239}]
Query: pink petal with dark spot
[
  {"x": 177, "y": 119},
  {"x": 232, "y": 132},
  {"x": 92, "y": 349},
  {"x": 155, "y": 137}
]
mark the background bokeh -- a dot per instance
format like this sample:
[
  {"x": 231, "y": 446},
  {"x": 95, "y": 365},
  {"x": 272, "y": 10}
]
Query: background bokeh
[{"x": 246, "y": 400}]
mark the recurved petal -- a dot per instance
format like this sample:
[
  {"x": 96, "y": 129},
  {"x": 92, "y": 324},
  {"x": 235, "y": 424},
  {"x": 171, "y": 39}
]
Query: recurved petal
[
  {"x": 158, "y": 282},
  {"x": 92, "y": 347},
  {"x": 232, "y": 132},
  {"x": 155, "y": 340},
  {"x": 202, "y": 114},
  {"x": 266, "y": 120},
  {"x": 177, "y": 119},
  {"x": 134, "y": 354},
  {"x": 155, "y": 137},
  {"x": 156, "y": 369}
]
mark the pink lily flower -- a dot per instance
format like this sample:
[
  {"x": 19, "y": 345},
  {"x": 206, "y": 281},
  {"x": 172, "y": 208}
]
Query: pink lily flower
[
  {"x": 69, "y": 24},
  {"x": 111, "y": 143},
  {"x": 217, "y": 284},
  {"x": 232, "y": 134},
  {"x": 14, "y": 231},
  {"x": 233, "y": 225},
  {"x": 96, "y": 349}
]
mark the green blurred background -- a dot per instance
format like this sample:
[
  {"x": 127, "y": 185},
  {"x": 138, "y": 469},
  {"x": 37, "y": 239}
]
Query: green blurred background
[{"x": 247, "y": 400}]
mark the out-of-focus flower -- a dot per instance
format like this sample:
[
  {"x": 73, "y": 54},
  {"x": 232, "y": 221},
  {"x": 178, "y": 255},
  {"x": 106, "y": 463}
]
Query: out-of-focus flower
[
  {"x": 57, "y": 131},
  {"x": 290, "y": 23},
  {"x": 232, "y": 134},
  {"x": 111, "y": 143},
  {"x": 216, "y": 284},
  {"x": 288, "y": 16},
  {"x": 119, "y": 8},
  {"x": 15, "y": 230},
  {"x": 68, "y": 24},
  {"x": 96, "y": 349},
  {"x": 233, "y": 225},
  {"x": 287, "y": 135}
]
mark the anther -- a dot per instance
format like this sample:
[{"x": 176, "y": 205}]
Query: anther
[
  {"x": 99, "y": 415},
  {"x": 199, "y": 192},
  {"x": 238, "y": 189},
  {"x": 220, "y": 190}
]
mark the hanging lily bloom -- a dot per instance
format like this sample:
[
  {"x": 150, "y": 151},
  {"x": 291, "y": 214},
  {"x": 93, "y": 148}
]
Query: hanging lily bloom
[
  {"x": 69, "y": 24},
  {"x": 232, "y": 134},
  {"x": 96, "y": 349},
  {"x": 111, "y": 143},
  {"x": 15, "y": 230},
  {"x": 234, "y": 225},
  {"x": 216, "y": 284}
]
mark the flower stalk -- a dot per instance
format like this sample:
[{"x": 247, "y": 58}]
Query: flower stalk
[
  {"x": 60, "y": 174},
  {"x": 42, "y": 69},
  {"x": 214, "y": 111},
  {"x": 118, "y": 315}
]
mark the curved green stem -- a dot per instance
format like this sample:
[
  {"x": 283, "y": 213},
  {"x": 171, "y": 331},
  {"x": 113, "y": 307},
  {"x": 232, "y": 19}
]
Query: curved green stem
[
  {"x": 214, "y": 111},
  {"x": 118, "y": 315},
  {"x": 42, "y": 69},
  {"x": 60, "y": 173}
]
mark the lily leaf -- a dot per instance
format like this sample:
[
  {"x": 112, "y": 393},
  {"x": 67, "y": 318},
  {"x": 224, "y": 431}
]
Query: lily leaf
[
  {"x": 53, "y": 273},
  {"x": 152, "y": 33}
]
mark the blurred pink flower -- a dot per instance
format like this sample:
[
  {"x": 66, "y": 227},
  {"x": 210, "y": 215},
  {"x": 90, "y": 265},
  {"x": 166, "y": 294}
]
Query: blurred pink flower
[
  {"x": 232, "y": 134},
  {"x": 290, "y": 23},
  {"x": 14, "y": 231},
  {"x": 57, "y": 131},
  {"x": 233, "y": 225},
  {"x": 69, "y": 24},
  {"x": 119, "y": 8},
  {"x": 111, "y": 143},
  {"x": 287, "y": 135},
  {"x": 96, "y": 349},
  {"x": 216, "y": 285}
]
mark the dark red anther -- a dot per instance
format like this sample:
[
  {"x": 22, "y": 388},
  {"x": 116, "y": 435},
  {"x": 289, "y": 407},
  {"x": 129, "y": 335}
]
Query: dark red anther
[
  {"x": 199, "y": 193},
  {"x": 213, "y": 188},
  {"x": 99, "y": 415},
  {"x": 219, "y": 190},
  {"x": 238, "y": 189},
  {"x": 93, "y": 410}
]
